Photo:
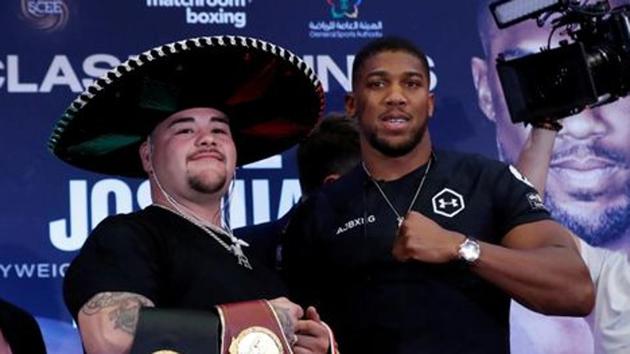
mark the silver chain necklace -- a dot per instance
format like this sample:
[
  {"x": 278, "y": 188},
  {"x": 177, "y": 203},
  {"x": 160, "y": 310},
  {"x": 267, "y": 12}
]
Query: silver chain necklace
[
  {"x": 236, "y": 243},
  {"x": 400, "y": 218}
]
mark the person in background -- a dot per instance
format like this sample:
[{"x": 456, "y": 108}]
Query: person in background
[
  {"x": 610, "y": 320},
  {"x": 585, "y": 173},
  {"x": 328, "y": 152}
]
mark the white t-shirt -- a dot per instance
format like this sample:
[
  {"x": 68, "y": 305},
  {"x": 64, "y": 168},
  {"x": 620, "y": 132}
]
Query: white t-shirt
[
  {"x": 605, "y": 331},
  {"x": 610, "y": 319}
]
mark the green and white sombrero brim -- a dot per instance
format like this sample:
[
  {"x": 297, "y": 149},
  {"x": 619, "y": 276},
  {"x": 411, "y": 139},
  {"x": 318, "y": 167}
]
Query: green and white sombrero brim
[{"x": 271, "y": 96}]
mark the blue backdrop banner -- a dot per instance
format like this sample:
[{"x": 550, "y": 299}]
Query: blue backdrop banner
[{"x": 52, "y": 49}]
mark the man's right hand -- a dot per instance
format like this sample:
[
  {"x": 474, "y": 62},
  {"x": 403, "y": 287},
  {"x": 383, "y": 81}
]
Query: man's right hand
[
  {"x": 307, "y": 326},
  {"x": 289, "y": 314},
  {"x": 313, "y": 336}
]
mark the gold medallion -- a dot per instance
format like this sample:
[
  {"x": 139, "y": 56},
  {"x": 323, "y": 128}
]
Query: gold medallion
[{"x": 256, "y": 340}]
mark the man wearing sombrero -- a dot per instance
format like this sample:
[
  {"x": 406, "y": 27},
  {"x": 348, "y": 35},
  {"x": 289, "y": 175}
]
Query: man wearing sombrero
[{"x": 149, "y": 281}]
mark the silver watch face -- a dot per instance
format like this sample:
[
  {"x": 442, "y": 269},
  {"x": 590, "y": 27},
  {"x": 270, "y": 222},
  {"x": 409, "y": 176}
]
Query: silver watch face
[{"x": 469, "y": 250}]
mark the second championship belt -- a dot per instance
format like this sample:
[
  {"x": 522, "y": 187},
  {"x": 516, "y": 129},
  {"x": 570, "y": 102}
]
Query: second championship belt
[{"x": 251, "y": 327}]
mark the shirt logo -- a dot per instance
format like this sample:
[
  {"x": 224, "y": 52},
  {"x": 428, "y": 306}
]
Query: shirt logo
[
  {"x": 351, "y": 224},
  {"x": 535, "y": 201},
  {"x": 448, "y": 203}
]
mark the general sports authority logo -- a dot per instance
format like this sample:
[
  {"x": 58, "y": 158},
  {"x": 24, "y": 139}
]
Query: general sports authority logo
[
  {"x": 343, "y": 22},
  {"x": 344, "y": 8},
  {"x": 448, "y": 203}
]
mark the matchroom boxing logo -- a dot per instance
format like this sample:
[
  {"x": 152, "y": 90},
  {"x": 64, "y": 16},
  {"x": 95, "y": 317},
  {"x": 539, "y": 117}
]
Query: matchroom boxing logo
[
  {"x": 46, "y": 15},
  {"x": 208, "y": 12}
]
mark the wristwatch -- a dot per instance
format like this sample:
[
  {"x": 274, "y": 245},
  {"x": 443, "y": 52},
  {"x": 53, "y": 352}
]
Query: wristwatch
[{"x": 469, "y": 250}]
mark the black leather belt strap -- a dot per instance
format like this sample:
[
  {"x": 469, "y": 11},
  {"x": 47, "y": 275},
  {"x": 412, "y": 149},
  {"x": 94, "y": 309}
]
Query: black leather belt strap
[{"x": 176, "y": 331}]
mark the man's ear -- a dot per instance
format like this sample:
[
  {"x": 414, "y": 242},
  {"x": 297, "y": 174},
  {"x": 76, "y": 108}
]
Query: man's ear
[
  {"x": 350, "y": 105},
  {"x": 145, "y": 156},
  {"x": 431, "y": 104},
  {"x": 480, "y": 73}
]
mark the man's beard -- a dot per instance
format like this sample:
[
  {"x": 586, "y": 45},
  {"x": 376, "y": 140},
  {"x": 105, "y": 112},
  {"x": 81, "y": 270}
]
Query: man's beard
[
  {"x": 199, "y": 184},
  {"x": 610, "y": 226},
  {"x": 397, "y": 150},
  {"x": 597, "y": 230}
]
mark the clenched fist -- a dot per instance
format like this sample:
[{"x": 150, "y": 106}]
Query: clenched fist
[{"x": 422, "y": 239}]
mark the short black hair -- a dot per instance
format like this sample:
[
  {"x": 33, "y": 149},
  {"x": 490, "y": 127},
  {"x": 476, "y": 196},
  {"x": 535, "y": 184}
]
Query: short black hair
[
  {"x": 332, "y": 147},
  {"x": 387, "y": 44}
]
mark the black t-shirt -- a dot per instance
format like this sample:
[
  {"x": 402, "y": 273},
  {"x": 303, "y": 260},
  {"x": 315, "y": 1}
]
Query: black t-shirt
[
  {"x": 264, "y": 239},
  {"x": 337, "y": 256},
  {"x": 166, "y": 258}
]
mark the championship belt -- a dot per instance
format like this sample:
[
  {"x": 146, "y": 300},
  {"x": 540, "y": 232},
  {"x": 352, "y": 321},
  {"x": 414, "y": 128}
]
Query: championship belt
[
  {"x": 171, "y": 331},
  {"x": 251, "y": 327}
]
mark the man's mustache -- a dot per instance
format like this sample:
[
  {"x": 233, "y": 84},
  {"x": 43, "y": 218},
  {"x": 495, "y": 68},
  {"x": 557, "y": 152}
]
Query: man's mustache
[{"x": 594, "y": 150}]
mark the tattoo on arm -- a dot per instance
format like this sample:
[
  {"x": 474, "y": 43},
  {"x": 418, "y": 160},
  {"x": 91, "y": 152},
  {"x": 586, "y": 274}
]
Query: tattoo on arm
[
  {"x": 122, "y": 308},
  {"x": 285, "y": 320}
]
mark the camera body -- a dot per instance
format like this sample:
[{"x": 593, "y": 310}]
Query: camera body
[{"x": 592, "y": 70}]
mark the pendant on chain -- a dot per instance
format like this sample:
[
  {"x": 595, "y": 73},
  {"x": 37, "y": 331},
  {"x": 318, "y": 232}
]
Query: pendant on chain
[
  {"x": 400, "y": 218},
  {"x": 242, "y": 258}
]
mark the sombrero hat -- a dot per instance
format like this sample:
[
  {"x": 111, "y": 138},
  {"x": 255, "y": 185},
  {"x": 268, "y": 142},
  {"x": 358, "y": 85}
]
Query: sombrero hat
[{"x": 270, "y": 95}]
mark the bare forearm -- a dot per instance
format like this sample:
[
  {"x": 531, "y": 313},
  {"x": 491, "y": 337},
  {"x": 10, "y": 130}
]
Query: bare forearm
[
  {"x": 108, "y": 322},
  {"x": 537, "y": 263},
  {"x": 552, "y": 280},
  {"x": 533, "y": 161}
]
